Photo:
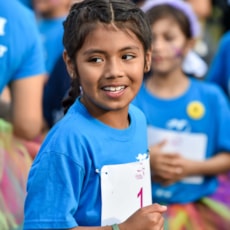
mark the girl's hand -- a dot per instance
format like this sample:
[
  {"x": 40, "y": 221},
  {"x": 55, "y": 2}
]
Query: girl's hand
[
  {"x": 147, "y": 218},
  {"x": 168, "y": 168}
]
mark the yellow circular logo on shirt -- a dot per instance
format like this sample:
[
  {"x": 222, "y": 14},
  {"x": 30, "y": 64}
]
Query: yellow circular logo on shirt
[{"x": 196, "y": 110}]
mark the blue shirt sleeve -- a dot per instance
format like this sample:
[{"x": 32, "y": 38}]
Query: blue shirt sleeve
[
  {"x": 219, "y": 72},
  {"x": 223, "y": 117},
  {"x": 51, "y": 181}
]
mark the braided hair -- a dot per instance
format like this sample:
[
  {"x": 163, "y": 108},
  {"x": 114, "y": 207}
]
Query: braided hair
[{"x": 83, "y": 18}]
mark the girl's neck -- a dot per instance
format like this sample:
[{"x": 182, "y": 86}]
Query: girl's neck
[
  {"x": 118, "y": 119},
  {"x": 168, "y": 86},
  {"x": 115, "y": 119}
]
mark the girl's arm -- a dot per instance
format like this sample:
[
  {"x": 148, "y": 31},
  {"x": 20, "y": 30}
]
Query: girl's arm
[
  {"x": 218, "y": 164},
  {"x": 170, "y": 168},
  {"x": 26, "y": 106},
  {"x": 147, "y": 218}
]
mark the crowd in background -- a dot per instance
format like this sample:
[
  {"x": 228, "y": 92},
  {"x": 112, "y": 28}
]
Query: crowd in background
[{"x": 34, "y": 82}]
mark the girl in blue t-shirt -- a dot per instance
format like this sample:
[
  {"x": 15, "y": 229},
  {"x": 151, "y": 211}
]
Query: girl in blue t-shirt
[
  {"x": 93, "y": 170},
  {"x": 188, "y": 126}
]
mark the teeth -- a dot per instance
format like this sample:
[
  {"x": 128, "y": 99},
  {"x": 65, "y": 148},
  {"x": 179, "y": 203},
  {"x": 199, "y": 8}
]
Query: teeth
[{"x": 114, "y": 89}]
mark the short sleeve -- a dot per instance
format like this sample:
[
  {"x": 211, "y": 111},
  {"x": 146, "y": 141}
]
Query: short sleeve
[{"x": 54, "y": 188}]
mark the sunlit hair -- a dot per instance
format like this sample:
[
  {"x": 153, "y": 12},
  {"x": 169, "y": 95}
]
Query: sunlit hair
[{"x": 84, "y": 17}]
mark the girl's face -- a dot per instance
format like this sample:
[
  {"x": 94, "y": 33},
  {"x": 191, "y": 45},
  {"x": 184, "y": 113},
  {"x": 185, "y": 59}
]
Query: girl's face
[
  {"x": 110, "y": 66},
  {"x": 169, "y": 46}
]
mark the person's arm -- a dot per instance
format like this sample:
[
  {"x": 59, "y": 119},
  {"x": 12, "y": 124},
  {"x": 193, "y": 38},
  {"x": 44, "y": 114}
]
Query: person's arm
[
  {"x": 170, "y": 168},
  {"x": 218, "y": 164},
  {"x": 149, "y": 217},
  {"x": 27, "y": 117}
]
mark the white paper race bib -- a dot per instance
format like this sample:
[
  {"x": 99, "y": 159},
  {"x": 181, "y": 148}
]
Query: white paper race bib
[
  {"x": 189, "y": 145},
  {"x": 124, "y": 188}
]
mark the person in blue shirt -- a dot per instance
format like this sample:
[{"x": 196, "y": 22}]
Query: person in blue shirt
[
  {"x": 93, "y": 171},
  {"x": 22, "y": 68},
  {"x": 50, "y": 17},
  {"x": 22, "y": 72},
  {"x": 54, "y": 92},
  {"x": 219, "y": 70},
  {"x": 188, "y": 126}
]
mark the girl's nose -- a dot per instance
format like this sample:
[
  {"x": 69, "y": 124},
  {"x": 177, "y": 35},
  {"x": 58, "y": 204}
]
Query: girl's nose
[
  {"x": 114, "y": 68},
  {"x": 157, "y": 44}
]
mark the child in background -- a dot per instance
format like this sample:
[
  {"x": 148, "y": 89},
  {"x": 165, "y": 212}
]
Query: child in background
[
  {"x": 192, "y": 64},
  {"x": 51, "y": 15},
  {"x": 188, "y": 127},
  {"x": 93, "y": 167}
]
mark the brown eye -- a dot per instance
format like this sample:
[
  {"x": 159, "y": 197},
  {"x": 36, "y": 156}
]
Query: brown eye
[
  {"x": 169, "y": 37},
  {"x": 128, "y": 56},
  {"x": 96, "y": 59}
]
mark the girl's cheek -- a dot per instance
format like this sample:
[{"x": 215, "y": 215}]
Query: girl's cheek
[{"x": 177, "y": 52}]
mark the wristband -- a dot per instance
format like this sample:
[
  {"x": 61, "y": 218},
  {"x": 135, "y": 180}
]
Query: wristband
[{"x": 115, "y": 227}]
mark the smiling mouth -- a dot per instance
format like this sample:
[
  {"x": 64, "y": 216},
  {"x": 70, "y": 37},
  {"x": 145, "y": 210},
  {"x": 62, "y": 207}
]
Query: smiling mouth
[{"x": 113, "y": 89}]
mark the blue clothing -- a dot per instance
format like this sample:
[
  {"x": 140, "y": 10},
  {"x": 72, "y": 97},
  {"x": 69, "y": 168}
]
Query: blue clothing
[
  {"x": 54, "y": 92},
  {"x": 51, "y": 32},
  {"x": 64, "y": 177},
  {"x": 215, "y": 124},
  {"x": 219, "y": 71},
  {"x": 20, "y": 47},
  {"x": 27, "y": 3}
]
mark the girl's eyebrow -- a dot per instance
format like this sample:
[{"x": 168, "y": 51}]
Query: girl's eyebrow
[
  {"x": 92, "y": 51},
  {"x": 130, "y": 48}
]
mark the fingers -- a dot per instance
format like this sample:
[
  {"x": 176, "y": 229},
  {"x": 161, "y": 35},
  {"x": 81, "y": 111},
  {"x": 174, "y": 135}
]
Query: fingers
[
  {"x": 168, "y": 165},
  {"x": 161, "y": 143},
  {"x": 157, "y": 147},
  {"x": 155, "y": 208},
  {"x": 148, "y": 218},
  {"x": 169, "y": 171}
]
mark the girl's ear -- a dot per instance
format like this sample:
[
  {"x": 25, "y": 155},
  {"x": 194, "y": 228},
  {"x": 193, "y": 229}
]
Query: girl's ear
[
  {"x": 148, "y": 60},
  {"x": 69, "y": 64}
]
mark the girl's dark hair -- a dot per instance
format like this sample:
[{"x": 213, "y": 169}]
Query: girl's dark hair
[
  {"x": 83, "y": 18},
  {"x": 168, "y": 11}
]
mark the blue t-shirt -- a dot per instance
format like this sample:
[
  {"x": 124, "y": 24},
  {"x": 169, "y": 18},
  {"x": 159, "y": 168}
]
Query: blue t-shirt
[
  {"x": 27, "y": 3},
  {"x": 20, "y": 47},
  {"x": 173, "y": 114},
  {"x": 64, "y": 183},
  {"x": 51, "y": 33},
  {"x": 55, "y": 90},
  {"x": 219, "y": 71}
]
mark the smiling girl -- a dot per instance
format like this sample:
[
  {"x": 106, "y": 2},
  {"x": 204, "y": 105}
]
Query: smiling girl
[{"x": 92, "y": 171}]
